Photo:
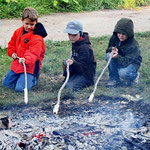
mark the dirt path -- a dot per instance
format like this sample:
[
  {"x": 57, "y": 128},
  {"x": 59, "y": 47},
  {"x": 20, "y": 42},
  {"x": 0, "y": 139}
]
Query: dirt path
[{"x": 97, "y": 23}]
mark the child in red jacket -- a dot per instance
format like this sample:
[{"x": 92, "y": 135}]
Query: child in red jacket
[{"x": 26, "y": 43}]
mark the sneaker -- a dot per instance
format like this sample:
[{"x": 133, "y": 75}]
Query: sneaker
[
  {"x": 113, "y": 83},
  {"x": 137, "y": 78}
]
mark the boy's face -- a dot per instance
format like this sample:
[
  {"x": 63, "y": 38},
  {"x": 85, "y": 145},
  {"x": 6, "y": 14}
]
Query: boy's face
[
  {"x": 28, "y": 24},
  {"x": 121, "y": 36},
  {"x": 74, "y": 37}
]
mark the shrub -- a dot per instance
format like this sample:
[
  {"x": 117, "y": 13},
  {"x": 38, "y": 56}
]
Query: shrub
[
  {"x": 9, "y": 9},
  {"x": 133, "y": 3},
  {"x": 14, "y": 8}
]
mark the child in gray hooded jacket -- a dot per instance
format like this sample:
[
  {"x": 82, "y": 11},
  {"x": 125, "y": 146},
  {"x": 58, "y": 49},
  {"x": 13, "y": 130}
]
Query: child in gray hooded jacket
[{"x": 124, "y": 49}]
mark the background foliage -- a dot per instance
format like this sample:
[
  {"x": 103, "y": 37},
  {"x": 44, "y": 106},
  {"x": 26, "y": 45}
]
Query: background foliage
[{"x": 14, "y": 8}]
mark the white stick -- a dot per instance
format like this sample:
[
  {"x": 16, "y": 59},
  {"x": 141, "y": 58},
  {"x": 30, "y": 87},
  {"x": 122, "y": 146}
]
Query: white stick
[
  {"x": 25, "y": 89},
  {"x": 56, "y": 107},
  {"x": 95, "y": 87}
]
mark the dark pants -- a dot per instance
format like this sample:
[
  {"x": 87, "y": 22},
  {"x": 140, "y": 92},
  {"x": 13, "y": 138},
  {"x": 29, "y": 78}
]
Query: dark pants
[
  {"x": 116, "y": 72},
  {"x": 77, "y": 82},
  {"x": 17, "y": 81}
]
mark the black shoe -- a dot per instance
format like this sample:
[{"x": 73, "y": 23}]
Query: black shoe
[
  {"x": 126, "y": 83},
  {"x": 113, "y": 83}
]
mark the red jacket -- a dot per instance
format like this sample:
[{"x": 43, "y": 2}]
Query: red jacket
[{"x": 29, "y": 46}]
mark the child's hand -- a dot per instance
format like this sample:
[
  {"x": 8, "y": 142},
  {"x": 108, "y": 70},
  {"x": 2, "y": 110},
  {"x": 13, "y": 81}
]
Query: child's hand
[
  {"x": 21, "y": 60},
  {"x": 69, "y": 61},
  {"x": 114, "y": 52},
  {"x": 114, "y": 49},
  {"x": 14, "y": 55}
]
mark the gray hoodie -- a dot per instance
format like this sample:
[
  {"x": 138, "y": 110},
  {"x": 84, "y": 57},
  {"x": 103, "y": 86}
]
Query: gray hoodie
[{"x": 129, "y": 52}]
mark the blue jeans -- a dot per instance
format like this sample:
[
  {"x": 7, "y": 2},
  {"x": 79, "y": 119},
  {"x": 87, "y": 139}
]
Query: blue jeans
[
  {"x": 17, "y": 81},
  {"x": 77, "y": 82},
  {"x": 116, "y": 71}
]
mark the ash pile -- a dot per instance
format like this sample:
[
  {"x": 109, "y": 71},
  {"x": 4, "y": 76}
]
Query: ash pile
[{"x": 107, "y": 123}]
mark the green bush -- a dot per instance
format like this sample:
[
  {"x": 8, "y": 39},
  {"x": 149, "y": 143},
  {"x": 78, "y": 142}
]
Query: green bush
[
  {"x": 11, "y": 9},
  {"x": 133, "y": 3},
  {"x": 80, "y": 5},
  {"x": 142, "y": 2},
  {"x": 14, "y": 8}
]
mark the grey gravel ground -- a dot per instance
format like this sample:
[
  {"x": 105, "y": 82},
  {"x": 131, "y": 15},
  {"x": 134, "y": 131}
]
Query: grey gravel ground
[{"x": 106, "y": 124}]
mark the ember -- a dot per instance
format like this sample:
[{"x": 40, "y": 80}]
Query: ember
[{"x": 107, "y": 123}]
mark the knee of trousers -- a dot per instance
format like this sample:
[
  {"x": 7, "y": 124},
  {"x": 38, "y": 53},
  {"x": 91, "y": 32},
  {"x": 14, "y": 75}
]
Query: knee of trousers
[
  {"x": 69, "y": 85},
  {"x": 4, "y": 83},
  {"x": 74, "y": 86},
  {"x": 7, "y": 85},
  {"x": 128, "y": 75},
  {"x": 19, "y": 89}
]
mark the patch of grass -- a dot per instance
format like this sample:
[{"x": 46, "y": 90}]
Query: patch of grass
[
  {"x": 55, "y": 54},
  {"x": 51, "y": 77},
  {"x": 4, "y": 62}
]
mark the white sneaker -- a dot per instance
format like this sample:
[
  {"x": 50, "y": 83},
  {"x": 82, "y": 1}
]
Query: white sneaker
[{"x": 137, "y": 78}]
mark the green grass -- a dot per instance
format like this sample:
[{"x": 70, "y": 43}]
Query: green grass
[
  {"x": 51, "y": 74},
  {"x": 4, "y": 62}
]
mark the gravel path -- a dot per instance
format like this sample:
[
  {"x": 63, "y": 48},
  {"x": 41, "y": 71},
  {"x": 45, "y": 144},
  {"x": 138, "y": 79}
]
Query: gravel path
[{"x": 97, "y": 23}]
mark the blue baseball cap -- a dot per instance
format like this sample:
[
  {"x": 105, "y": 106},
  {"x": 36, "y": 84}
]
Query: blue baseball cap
[{"x": 73, "y": 27}]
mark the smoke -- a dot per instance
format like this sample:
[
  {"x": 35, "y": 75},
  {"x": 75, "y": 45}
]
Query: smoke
[{"x": 128, "y": 121}]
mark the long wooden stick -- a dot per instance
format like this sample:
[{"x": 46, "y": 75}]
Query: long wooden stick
[
  {"x": 95, "y": 87},
  {"x": 25, "y": 89},
  {"x": 56, "y": 107}
]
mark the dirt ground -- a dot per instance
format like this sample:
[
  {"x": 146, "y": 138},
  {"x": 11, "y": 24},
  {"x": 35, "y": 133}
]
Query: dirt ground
[{"x": 96, "y": 23}]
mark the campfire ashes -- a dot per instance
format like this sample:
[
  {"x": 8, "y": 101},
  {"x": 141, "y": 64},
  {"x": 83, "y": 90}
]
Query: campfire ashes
[{"x": 106, "y": 124}]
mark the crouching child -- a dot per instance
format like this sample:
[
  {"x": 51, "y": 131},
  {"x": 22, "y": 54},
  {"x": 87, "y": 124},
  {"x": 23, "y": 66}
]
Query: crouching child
[
  {"x": 27, "y": 44},
  {"x": 82, "y": 61},
  {"x": 126, "y": 58}
]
